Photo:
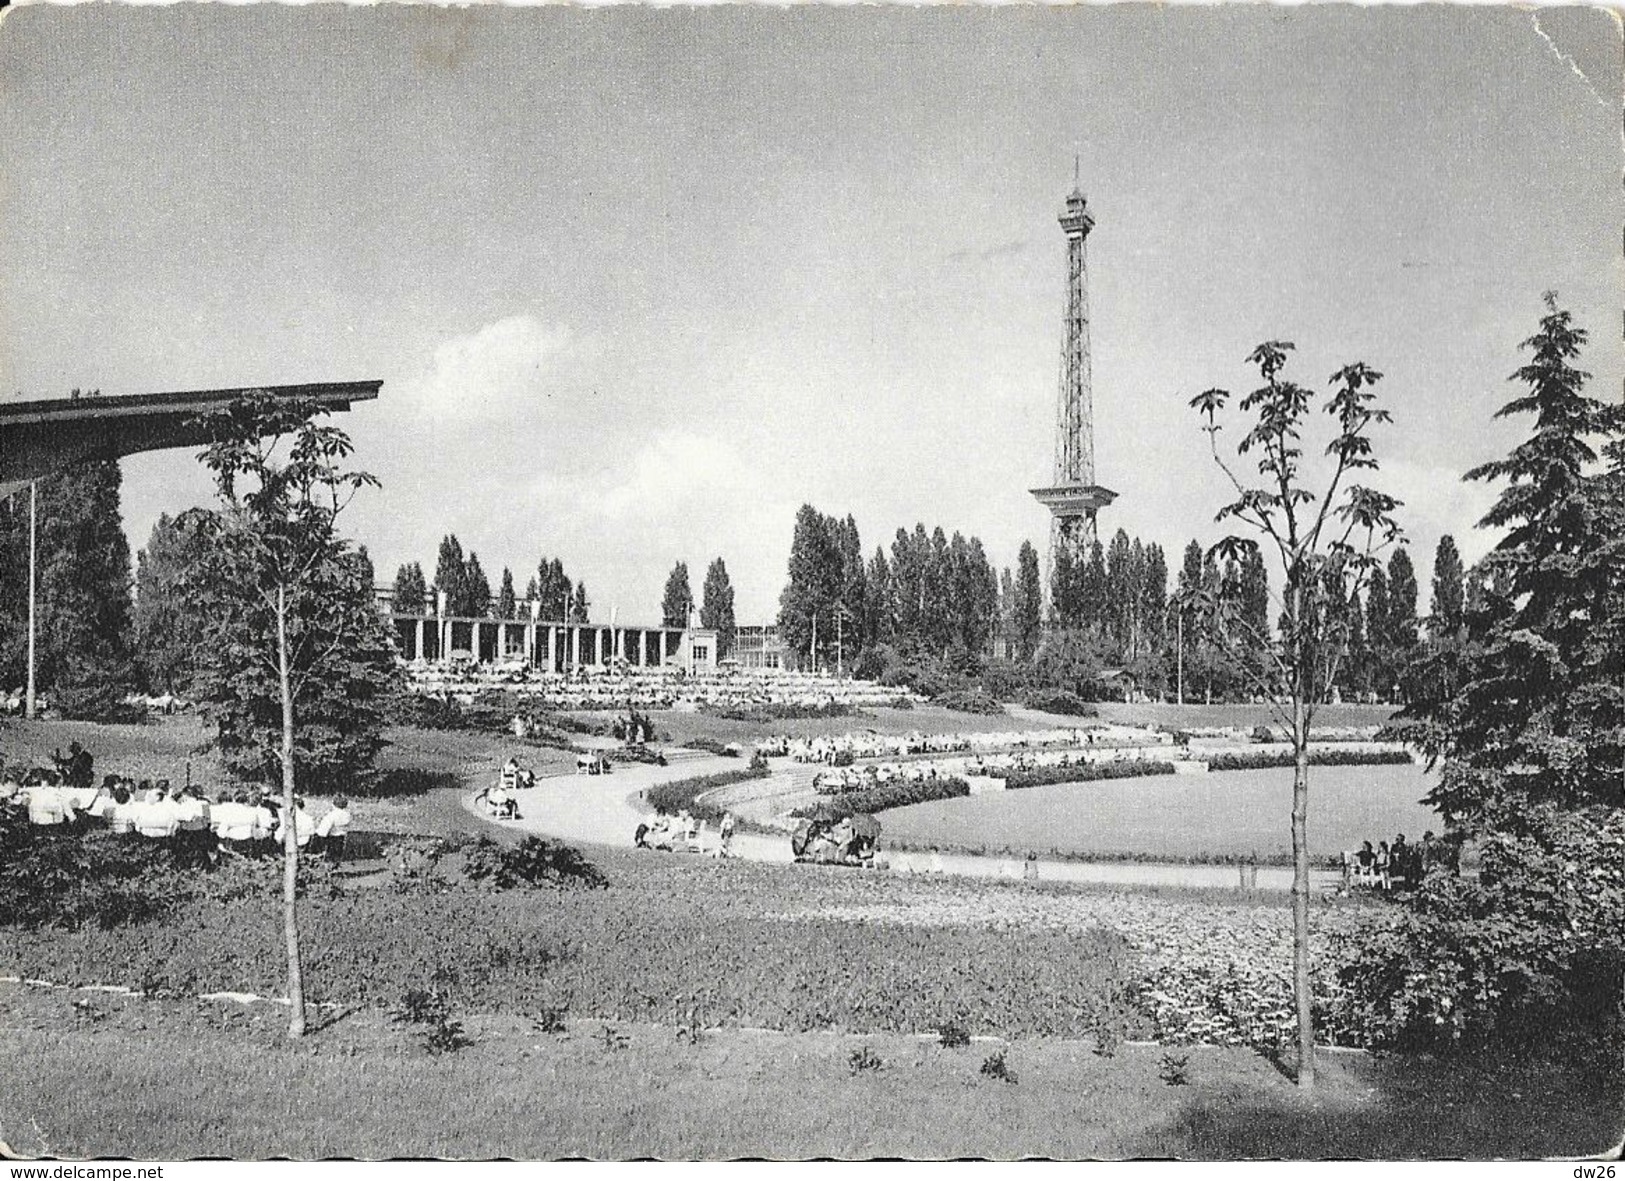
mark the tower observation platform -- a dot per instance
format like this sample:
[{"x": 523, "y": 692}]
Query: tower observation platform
[{"x": 1074, "y": 498}]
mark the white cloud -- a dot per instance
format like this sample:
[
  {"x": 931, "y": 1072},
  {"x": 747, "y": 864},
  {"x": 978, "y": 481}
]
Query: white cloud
[{"x": 500, "y": 369}]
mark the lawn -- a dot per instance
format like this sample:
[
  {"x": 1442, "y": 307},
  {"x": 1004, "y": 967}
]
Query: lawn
[
  {"x": 168, "y": 1080},
  {"x": 1180, "y": 816},
  {"x": 1246, "y": 716}
]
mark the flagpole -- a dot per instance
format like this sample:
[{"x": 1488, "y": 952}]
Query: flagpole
[{"x": 33, "y": 564}]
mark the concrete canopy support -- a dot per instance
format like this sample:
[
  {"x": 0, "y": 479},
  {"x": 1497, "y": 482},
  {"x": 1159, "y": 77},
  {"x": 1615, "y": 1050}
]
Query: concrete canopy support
[
  {"x": 643, "y": 648},
  {"x": 552, "y": 649},
  {"x": 417, "y": 651},
  {"x": 575, "y": 648}
]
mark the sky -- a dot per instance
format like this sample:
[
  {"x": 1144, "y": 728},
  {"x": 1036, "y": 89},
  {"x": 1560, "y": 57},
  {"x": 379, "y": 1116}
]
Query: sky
[{"x": 641, "y": 282}]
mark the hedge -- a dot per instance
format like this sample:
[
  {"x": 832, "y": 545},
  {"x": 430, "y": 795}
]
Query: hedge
[
  {"x": 673, "y": 797},
  {"x": 1256, "y": 760},
  {"x": 898, "y": 794},
  {"x": 1085, "y": 772}
]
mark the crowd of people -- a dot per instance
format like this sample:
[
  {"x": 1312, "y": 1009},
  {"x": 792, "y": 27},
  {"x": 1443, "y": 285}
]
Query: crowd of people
[
  {"x": 833, "y": 749},
  {"x": 198, "y": 825},
  {"x": 602, "y": 688},
  {"x": 1401, "y": 865}
]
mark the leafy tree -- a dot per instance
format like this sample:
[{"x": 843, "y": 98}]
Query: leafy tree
[
  {"x": 1070, "y": 658},
  {"x": 813, "y": 586},
  {"x": 476, "y": 589},
  {"x": 678, "y": 599},
  {"x": 878, "y": 624},
  {"x": 1403, "y": 625},
  {"x": 1378, "y": 630},
  {"x": 1029, "y": 604},
  {"x": 507, "y": 603},
  {"x": 410, "y": 588},
  {"x": 717, "y": 606},
  {"x": 83, "y": 655},
  {"x": 1532, "y": 734},
  {"x": 169, "y": 638},
  {"x": 300, "y": 663},
  {"x": 451, "y": 576},
  {"x": 1065, "y": 591},
  {"x": 1323, "y": 541},
  {"x": 1448, "y": 613}
]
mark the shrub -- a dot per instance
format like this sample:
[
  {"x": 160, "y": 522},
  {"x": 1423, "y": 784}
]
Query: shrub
[
  {"x": 679, "y": 794},
  {"x": 1086, "y": 773},
  {"x": 428, "y": 1011},
  {"x": 996, "y": 1067},
  {"x": 1529, "y": 952},
  {"x": 864, "y": 1059},
  {"x": 532, "y": 862},
  {"x": 1060, "y": 701},
  {"x": 1334, "y": 757},
  {"x": 968, "y": 701},
  {"x": 1175, "y": 1069},
  {"x": 953, "y": 1035},
  {"x": 638, "y": 754},
  {"x": 711, "y": 746},
  {"x": 780, "y": 711},
  {"x": 897, "y": 794}
]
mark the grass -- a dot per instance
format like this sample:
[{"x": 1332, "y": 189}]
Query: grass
[
  {"x": 1236, "y": 813},
  {"x": 173, "y": 1080}
]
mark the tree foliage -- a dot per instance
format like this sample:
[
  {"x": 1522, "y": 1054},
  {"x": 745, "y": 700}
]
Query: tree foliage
[
  {"x": 276, "y": 528},
  {"x": 169, "y": 636},
  {"x": 1326, "y": 540},
  {"x": 410, "y": 589},
  {"x": 1530, "y": 729},
  {"x": 717, "y": 606},
  {"x": 677, "y": 601},
  {"x": 83, "y": 655}
]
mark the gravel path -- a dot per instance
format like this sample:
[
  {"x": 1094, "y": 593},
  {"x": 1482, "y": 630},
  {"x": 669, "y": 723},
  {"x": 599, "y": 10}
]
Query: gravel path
[{"x": 606, "y": 810}]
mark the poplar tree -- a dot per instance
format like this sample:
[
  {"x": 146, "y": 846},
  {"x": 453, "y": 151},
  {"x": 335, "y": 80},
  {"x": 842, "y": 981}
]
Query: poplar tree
[
  {"x": 717, "y": 606},
  {"x": 678, "y": 599}
]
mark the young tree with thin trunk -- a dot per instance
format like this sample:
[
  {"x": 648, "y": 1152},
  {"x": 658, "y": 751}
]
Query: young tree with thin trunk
[
  {"x": 1325, "y": 542},
  {"x": 278, "y": 557}
]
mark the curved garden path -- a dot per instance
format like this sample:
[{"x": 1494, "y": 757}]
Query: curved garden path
[{"x": 606, "y": 810}]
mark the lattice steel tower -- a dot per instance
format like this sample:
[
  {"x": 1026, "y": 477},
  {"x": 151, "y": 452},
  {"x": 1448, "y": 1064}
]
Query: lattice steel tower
[{"x": 1075, "y": 498}]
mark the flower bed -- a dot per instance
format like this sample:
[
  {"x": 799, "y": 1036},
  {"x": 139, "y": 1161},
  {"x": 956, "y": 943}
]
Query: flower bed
[
  {"x": 685, "y": 793},
  {"x": 1084, "y": 772},
  {"x": 897, "y": 794},
  {"x": 1257, "y": 760}
]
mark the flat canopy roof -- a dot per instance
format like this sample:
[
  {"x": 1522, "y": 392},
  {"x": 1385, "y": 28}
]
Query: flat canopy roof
[{"x": 44, "y": 435}]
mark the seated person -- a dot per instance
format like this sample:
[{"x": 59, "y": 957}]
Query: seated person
[
  {"x": 303, "y": 826},
  {"x": 48, "y": 804},
  {"x": 157, "y": 818},
  {"x": 333, "y": 828},
  {"x": 233, "y": 821},
  {"x": 120, "y": 815}
]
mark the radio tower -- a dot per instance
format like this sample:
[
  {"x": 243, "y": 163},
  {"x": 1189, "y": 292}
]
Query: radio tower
[{"x": 1075, "y": 498}]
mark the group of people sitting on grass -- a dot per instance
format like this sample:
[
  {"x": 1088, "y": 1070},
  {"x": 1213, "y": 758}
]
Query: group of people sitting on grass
[
  {"x": 1402, "y": 865},
  {"x": 197, "y": 827}
]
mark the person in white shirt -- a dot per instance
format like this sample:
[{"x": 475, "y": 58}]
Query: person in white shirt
[
  {"x": 265, "y": 824},
  {"x": 157, "y": 819},
  {"x": 333, "y": 829},
  {"x": 233, "y": 822},
  {"x": 303, "y": 826},
  {"x": 48, "y": 805}
]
